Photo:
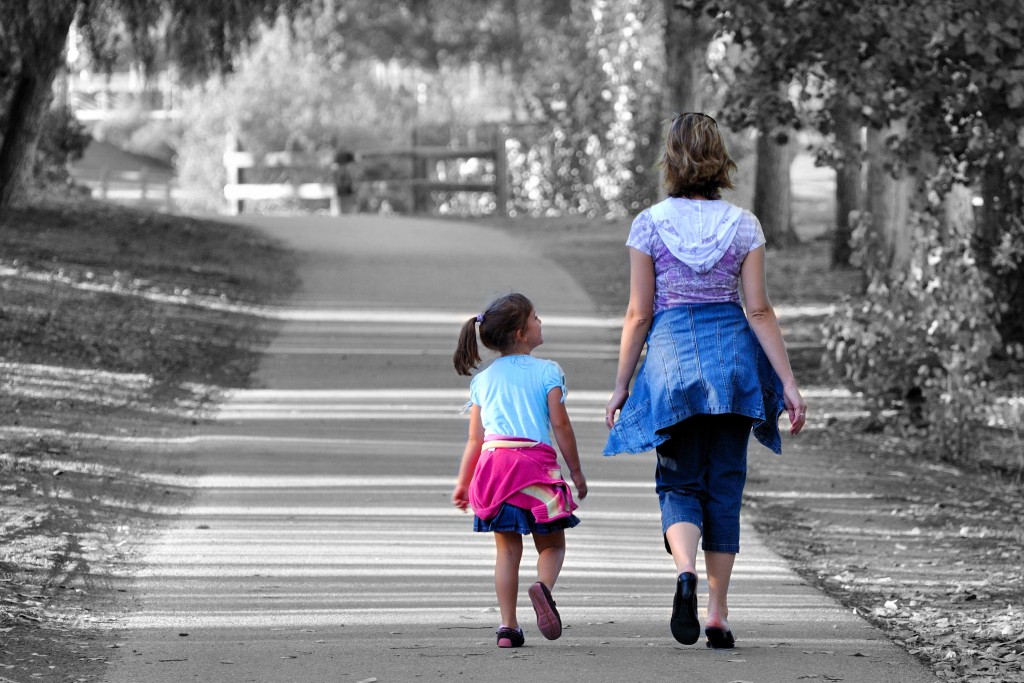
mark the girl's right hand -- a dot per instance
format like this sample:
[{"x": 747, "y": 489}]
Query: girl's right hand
[
  {"x": 581, "y": 484},
  {"x": 615, "y": 403},
  {"x": 460, "y": 497}
]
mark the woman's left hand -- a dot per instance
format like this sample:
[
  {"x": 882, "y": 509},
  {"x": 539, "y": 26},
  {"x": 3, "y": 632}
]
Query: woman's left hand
[
  {"x": 796, "y": 407},
  {"x": 615, "y": 403}
]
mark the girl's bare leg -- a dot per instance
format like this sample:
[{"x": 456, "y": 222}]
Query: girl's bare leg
[
  {"x": 719, "y": 566},
  {"x": 683, "y": 538},
  {"x": 550, "y": 556},
  {"x": 506, "y": 574}
]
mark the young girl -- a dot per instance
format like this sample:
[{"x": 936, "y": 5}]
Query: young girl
[{"x": 509, "y": 473}]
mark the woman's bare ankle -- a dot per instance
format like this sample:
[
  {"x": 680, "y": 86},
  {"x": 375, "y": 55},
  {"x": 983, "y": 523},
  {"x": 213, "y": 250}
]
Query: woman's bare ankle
[{"x": 716, "y": 620}]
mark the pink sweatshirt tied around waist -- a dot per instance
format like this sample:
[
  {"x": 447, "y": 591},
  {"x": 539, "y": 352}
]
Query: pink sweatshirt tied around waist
[{"x": 528, "y": 478}]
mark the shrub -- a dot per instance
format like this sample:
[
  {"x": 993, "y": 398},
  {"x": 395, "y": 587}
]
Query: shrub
[
  {"x": 921, "y": 340},
  {"x": 62, "y": 139},
  {"x": 282, "y": 96},
  {"x": 120, "y": 124}
]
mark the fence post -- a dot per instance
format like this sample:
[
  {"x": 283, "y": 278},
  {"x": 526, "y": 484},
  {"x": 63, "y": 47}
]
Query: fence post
[
  {"x": 143, "y": 183},
  {"x": 104, "y": 183},
  {"x": 419, "y": 172},
  {"x": 233, "y": 173},
  {"x": 500, "y": 173},
  {"x": 169, "y": 196}
]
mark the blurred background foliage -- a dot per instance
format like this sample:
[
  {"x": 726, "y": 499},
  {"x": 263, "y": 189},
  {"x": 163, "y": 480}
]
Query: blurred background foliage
[
  {"x": 572, "y": 86},
  {"x": 916, "y": 104}
]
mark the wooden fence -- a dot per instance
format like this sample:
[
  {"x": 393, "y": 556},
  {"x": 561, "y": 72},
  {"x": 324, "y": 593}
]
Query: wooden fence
[
  {"x": 141, "y": 188},
  {"x": 237, "y": 191}
]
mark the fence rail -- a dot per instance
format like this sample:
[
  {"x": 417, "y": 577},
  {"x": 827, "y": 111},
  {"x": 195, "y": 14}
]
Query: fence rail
[
  {"x": 152, "y": 189},
  {"x": 237, "y": 161}
]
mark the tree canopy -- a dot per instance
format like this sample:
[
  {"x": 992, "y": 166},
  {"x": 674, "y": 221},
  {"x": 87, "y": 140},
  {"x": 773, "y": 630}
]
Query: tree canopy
[{"x": 199, "y": 36}]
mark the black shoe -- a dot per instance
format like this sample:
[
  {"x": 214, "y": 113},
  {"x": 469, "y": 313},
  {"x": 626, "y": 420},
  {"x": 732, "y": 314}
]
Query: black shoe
[
  {"x": 719, "y": 639},
  {"x": 510, "y": 637},
  {"x": 685, "y": 626}
]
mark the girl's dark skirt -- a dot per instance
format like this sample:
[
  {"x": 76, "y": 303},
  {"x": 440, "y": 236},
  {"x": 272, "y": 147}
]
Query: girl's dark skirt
[{"x": 519, "y": 520}]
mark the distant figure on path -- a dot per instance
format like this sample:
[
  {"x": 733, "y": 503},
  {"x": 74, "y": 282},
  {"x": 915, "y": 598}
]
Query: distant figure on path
[
  {"x": 711, "y": 373},
  {"x": 509, "y": 473},
  {"x": 344, "y": 183}
]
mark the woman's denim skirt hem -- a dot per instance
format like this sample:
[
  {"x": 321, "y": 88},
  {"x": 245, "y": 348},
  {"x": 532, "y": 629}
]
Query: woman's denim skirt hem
[
  {"x": 511, "y": 518},
  {"x": 702, "y": 359}
]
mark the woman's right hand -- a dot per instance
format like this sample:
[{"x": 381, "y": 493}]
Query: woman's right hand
[
  {"x": 615, "y": 404},
  {"x": 796, "y": 407}
]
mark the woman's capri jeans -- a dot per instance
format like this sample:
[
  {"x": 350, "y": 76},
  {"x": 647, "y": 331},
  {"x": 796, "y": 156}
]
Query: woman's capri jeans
[{"x": 702, "y": 469}]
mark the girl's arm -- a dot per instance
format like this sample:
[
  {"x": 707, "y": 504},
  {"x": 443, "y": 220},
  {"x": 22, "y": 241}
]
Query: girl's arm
[
  {"x": 470, "y": 456},
  {"x": 765, "y": 325},
  {"x": 566, "y": 439},
  {"x": 639, "y": 315}
]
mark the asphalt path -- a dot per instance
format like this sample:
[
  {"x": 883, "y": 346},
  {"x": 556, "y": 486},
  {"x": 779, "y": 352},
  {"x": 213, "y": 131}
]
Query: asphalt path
[{"x": 320, "y": 544}]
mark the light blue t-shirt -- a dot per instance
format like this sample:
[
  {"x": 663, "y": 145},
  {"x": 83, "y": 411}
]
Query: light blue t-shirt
[{"x": 512, "y": 393}]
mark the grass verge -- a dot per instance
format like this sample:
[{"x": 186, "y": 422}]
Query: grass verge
[{"x": 106, "y": 334}]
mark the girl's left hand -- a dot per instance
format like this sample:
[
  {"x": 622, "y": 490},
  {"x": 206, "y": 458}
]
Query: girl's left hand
[
  {"x": 581, "y": 484},
  {"x": 460, "y": 497}
]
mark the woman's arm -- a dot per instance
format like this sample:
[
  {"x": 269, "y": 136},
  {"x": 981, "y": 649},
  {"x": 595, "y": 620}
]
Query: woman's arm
[
  {"x": 565, "y": 437},
  {"x": 470, "y": 456},
  {"x": 635, "y": 326},
  {"x": 765, "y": 325}
]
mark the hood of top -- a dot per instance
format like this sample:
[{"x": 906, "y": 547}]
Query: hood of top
[{"x": 698, "y": 232}]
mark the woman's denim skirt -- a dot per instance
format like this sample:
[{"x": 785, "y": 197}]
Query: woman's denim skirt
[{"x": 702, "y": 359}]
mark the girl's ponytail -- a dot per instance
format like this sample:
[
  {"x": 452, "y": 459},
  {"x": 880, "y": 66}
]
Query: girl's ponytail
[{"x": 467, "y": 353}]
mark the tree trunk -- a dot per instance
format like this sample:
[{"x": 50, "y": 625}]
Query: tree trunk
[
  {"x": 958, "y": 213},
  {"x": 849, "y": 189},
  {"x": 1007, "y": 285},
  {"x": 772, "y": 188},
  {"x": 687, "y": 36},
  {"x": 41, "y": 59},
  {"x": 989, "y": 231},
  {"x": 889, "y": 197}
]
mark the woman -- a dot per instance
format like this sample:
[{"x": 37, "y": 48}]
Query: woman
[{"x": 711, "y": 373}]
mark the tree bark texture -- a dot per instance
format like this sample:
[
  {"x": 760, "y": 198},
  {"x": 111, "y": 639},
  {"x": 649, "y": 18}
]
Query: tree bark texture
[
  {"x": 772, "y": 188},
  {"x": 40, "y": 56},
  {"x": 849, "y": 182},
  {"x": 687, "y": 36},
  {"x": 889, "y": 196}
]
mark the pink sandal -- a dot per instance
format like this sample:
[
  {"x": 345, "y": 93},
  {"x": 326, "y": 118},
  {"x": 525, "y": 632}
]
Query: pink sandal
[{"x": 548, "y": 620}]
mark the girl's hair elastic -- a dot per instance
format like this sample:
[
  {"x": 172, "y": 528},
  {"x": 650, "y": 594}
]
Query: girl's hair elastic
[{"x": 480, "y": 317}]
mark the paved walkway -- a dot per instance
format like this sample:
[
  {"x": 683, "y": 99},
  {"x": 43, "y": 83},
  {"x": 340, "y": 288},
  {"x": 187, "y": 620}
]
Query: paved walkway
[{"x": 320, "y": 545}]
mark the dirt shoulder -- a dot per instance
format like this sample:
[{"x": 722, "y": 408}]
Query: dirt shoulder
[
  {"x": 107, "y": 340},
  {"x": 929, "y": 551}
]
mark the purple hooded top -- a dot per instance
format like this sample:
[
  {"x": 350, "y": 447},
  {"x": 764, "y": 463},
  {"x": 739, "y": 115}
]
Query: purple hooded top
[{"x": 698, "y": 246}]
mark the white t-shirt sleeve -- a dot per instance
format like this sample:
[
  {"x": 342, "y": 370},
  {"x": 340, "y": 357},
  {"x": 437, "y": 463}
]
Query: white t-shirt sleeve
[
  {"x": 752, "y": 227},
  {"x": 642, "y": 233}
]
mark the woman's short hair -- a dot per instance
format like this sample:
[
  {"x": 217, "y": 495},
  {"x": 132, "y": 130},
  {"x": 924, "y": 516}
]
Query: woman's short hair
[{"x": 696, "y": 162}]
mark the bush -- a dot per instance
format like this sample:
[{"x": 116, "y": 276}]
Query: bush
[
  {"x": 920, "y": 341},
  {"x": 62, "y": 139},
  {"x": 282, "y": 96}
]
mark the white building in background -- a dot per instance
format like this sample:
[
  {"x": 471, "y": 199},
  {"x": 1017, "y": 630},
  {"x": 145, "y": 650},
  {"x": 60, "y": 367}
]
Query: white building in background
[{"x": 95, "y": 96}]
